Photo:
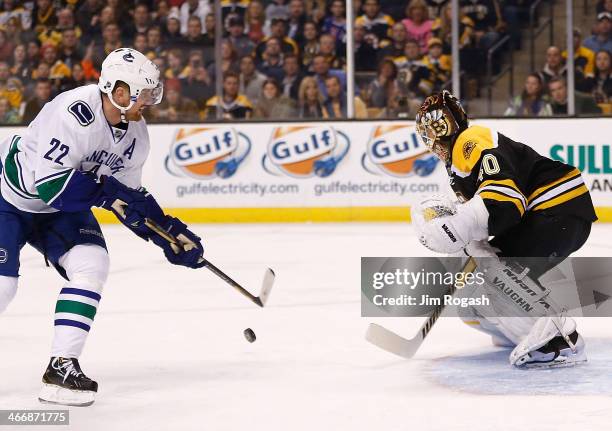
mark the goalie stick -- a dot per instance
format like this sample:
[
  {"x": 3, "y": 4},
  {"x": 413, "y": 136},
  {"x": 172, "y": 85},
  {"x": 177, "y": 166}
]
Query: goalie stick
[{"x": 406, "y": 348}]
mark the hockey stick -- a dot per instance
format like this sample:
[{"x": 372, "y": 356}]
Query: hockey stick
[
  {"x": 406, "y": 348},
  {"x": 268, "y": 280}
]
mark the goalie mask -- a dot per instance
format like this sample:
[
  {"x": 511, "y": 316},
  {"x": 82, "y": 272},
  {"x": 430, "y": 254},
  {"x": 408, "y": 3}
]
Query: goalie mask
[
  {"x": 137, "y": 71},
  {"x": 439, "y": 121}
]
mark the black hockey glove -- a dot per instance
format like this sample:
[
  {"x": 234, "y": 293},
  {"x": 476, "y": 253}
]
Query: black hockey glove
[{"x": 131, "y": 206}]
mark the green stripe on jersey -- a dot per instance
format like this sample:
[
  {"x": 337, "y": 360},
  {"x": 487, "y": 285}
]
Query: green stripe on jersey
[
  {"x": 11, "y": 169},
  {"x": 74, "y": 307},
  {"x": 50, "y": 189}
]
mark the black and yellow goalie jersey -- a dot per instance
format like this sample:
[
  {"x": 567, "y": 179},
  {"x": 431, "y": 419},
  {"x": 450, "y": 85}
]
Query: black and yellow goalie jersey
[{"x": 513, "y": 179}]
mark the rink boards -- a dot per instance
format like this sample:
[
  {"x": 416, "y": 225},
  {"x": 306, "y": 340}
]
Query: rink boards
[{"x": 335, "y": 171}]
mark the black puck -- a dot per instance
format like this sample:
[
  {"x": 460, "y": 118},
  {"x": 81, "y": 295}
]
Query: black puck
[{"x": 249, "y": 335}]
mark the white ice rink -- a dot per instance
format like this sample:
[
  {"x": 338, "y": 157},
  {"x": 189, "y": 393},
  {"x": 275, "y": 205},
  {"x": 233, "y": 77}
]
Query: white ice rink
[{"x": 168, "y": 352}]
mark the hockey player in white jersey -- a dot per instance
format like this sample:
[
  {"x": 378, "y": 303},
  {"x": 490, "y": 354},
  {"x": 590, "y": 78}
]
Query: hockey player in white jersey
[{"x": 85, "y": 148}]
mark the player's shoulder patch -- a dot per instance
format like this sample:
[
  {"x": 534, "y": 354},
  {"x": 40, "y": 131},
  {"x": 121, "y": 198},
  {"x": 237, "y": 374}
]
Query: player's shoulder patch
[
  {"x": 469, "y": 147},
  {"x": 82, "y": 112}
]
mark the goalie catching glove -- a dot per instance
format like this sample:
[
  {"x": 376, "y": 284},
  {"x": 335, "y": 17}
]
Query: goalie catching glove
[
  {"x": 133, "y": 206},
  {"x": 444, "y": 226}
]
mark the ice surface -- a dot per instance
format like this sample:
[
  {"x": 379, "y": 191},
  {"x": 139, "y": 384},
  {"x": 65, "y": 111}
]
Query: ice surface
[{"x": 168, "y": 351}]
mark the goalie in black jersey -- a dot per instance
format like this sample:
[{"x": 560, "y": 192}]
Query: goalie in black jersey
[{"x": 537, "y": 210}]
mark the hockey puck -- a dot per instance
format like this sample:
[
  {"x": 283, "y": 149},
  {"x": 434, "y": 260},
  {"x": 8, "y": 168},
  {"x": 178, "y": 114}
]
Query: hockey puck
[{"x": 250, "y": 335}]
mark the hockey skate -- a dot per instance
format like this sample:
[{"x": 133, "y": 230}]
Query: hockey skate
[
  {"x": 546, "y": 346},
  {"x": 65, "y": 383}
]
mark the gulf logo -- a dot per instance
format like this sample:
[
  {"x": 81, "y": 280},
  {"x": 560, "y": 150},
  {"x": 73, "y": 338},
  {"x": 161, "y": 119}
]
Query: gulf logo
[
  {"x": 397, "y": 151},
  {"x": 305, "y": 151},
  {"x": 207, "y": 152}
]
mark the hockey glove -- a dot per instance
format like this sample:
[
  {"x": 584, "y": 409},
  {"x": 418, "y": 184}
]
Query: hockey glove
[
  {"x": 131, "y": 206},
  {"x": 189, "y": 250}
]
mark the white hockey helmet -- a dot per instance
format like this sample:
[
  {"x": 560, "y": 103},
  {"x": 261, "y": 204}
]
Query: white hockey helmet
[{"x": 137, "y": 71}]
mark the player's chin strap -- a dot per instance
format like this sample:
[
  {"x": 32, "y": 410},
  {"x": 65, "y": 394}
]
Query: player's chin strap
[{"x": 122, "y": 109}]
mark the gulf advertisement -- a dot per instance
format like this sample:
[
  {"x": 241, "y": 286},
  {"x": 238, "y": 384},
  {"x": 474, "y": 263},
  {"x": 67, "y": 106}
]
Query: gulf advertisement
[{"x": 336, "y": 171}]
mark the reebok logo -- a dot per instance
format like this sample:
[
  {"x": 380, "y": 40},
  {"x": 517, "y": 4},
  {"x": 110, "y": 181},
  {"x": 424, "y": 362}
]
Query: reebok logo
[{"x": 449, "y": 233}]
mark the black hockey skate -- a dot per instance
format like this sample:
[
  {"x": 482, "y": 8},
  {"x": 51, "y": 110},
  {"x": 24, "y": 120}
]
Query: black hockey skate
[{"x": 65, "y": 383}]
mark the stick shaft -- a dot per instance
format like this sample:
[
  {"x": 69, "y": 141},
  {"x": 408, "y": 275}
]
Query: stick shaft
[{"x": 222, "y": 275}]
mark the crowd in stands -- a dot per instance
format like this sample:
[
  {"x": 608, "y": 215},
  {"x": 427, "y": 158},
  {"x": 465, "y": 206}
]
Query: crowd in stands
[
  {"x": 545, "y": 92},
  {"x": 283, "y": 58}
]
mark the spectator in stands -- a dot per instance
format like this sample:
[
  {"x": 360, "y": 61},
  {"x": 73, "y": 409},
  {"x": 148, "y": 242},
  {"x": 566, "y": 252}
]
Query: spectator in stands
[
  {"x": 174, "y": 107},
  {"x": 380, "y": 88},
  {"x": 233, "y": 8},
  {"x": 42, "y": 94},
  {"x": 374, "y": 21},
  {"x": 486, "y": 16},
  {"x": 33, "y": 52},
  {"x": 327, "y": 48},
  {"x": 604, "y": 6},
  {"x": 154, "y": 43},
  {"x": 240, "y": 41},
  {"x": 600, "y": 84},
  {"x": 172, "y": 31},
  {"x": 8, "y": 114},
  {"x": 251, "y": 80},
  {"x": 175, "y": 64},
  {"x": 335, "y": 23},
  {"x": 194, "y": 38},
  {"x": 160, "y": 14},
  {"x": 197, "y": 8},
  {"x": 14, "y": 10},
  {"x": 229, "y": 60},
  {"x": 323, "y": 71},
  {"x": 44, "y": 16},
  {"x": 65, "y": 20},
  {"x": 232, "y": 105},
  {"x": 70, "y": 51},
  {"x": 58, "y": 70},
  {"x": 584, "y": 104},
  {"x": 87, "y": 18},
  {"x": 14, "y": 32},
  {"x": 365, "y": 50},
  {"x": 273, "y": 104},
  {"x": 6, "y": 47},
  {"x": 140, "y": 42},
  {"x": 296, "y": 21},
  {"x": 395, "y": 48},
  {"x": 309, "y": 99},
  {"x": 602, "y": 37},
  {"x": 10, "y": 87},
  {"x": 418, "y": 25},
  {"x": 209, "y": 25},
  {"x": 111, "y": 40},
  {"x": 196, "y": 83},
  {"x": 415, "y": 79},
  {"x": 21, "y": 67},
  {"x": 255, "y": 19},
  {"x": 584, "y": 58},
  {"x": 292, "y": 76},
  {"x": 107, "y": 15},
  {"x": 278, "y": 29},
  {"x": 277, "y": 9},
  {"x": 335, "y": 104},
  {"x": 77, "y": 78},
  {"x": 271, "y": 63},
  {"x": 436, "y": 6},
  {"x": 139, "y": 23},
  {"x": 439, "y": 64},
  {"x": 310, "y": 44},
  {"x": 442, "y": 29},
  {"x": 531, "y": 102},
  {"x": 554, "y": 67}
]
